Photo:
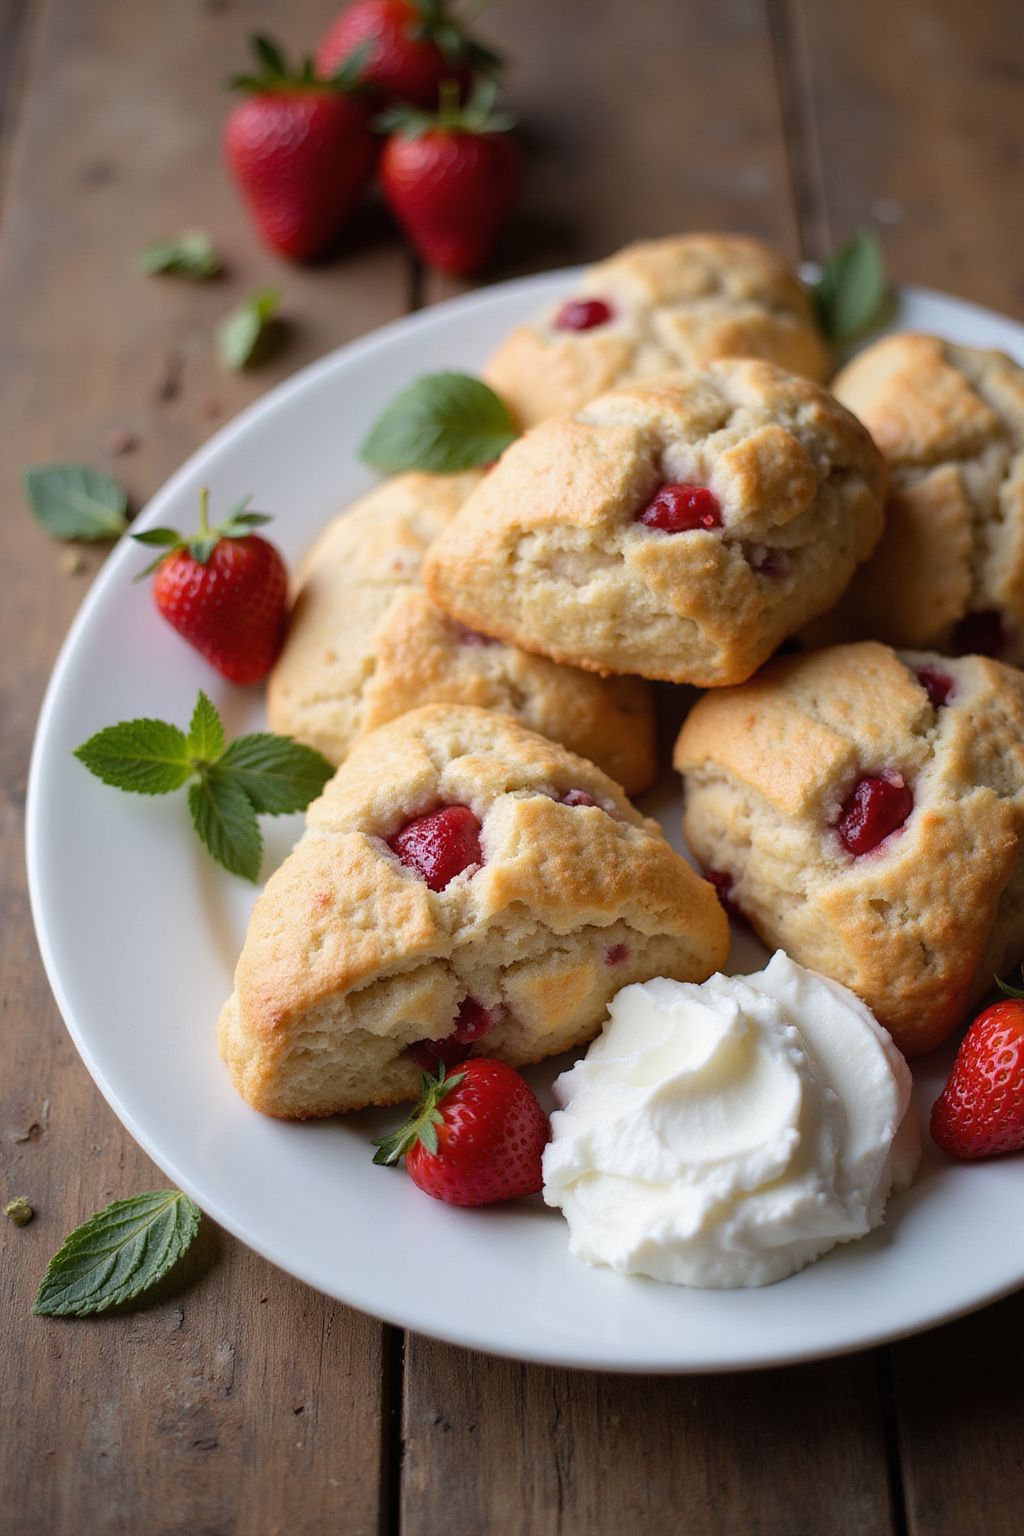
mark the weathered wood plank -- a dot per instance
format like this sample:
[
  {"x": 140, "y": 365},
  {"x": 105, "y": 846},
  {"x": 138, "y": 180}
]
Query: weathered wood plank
[
  {"x": 909, "y": 119},
  {"x": 564, "y": 1452},
  {"x": 247, "y": 1402}
]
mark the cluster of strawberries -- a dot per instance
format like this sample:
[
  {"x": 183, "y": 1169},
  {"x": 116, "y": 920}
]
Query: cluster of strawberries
[{"x": 397, "y": 88}]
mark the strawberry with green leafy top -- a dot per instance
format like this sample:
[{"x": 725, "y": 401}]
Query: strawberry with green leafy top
[
  {"x": 980, "y": 1111},
  {"x": 451, "y": 178},
  {"x": 475, "y": 1138},
  {"x": 412, "y": 46},
  {"x": 301, "y": 150},
  {"x": 225, "y": 590}
]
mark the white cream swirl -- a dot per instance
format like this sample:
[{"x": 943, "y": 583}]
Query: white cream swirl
[{"x": 729, "y": 1133}]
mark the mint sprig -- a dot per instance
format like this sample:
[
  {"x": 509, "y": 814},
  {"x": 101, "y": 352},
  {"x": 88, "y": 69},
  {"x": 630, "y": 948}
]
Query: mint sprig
[
  {"x": 442, "y": 423},
  {"x": 117, "y": 1254},
  {"x": 852, "y": 292},
  {"x": 258, "y": 773},
  {"x": 188, "y": 255},
  {"x": 73, "y": 501},
  {"x": 240, "y": 334}
]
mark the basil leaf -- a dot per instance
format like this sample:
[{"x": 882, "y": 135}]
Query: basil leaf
[
  {"x": 188, "y": 255},
  {"x": 117, "y": 1254},
  {"x": 442, "y": 423},
  {"x": 851, "y": 293},
  {"x": 278, "y": 774},
  {"x": 146, "y": 757},
  {"x": 206, "y": 733},
  {"x": 240, "y": 333},
  {"x": 73, "y": 501},
  {"x": 224, "y": 818}
]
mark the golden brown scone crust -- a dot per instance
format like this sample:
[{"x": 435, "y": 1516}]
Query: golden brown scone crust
[
  {"x": 365, "y": 644},
  {"x": 950, "y": 422},
  {"x": 350, "y": 957},
  {"x": 548, "y": 553},
  {"x": 919, "y": 926},
  {"x": 679, "y": 302}
]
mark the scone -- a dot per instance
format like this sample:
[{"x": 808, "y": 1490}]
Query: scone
[
  {"x": 680, "y": 528},
  {"x": 463, "y": 885},
  {"x": 948, "y": 573},
  {"x": 366, "y": 644},
  {"x": 864, "y": 809},
  {"x": 656, "y": 306}
]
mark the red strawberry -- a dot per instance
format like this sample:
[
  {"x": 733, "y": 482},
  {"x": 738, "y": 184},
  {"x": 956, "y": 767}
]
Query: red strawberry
[
  {"x": 225, "y": 591},
  {"x": 980, "y": 1112},
  {"x": 414, "y": 45},
  {"x": 301, "y": 150},
  {"x": 475, "y": 1138},
  {"x": 451, "y": 179}
]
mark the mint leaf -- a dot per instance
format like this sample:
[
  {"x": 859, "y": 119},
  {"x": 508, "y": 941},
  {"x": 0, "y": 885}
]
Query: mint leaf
[
  {"x": 73, "y": 501},
  {"x": 442, "y": 423},
  {"x": 224, "y": 818},
  {"x": 117, "y": 1254},
  {"x": 146, "y": 757},
  {"x": 277, "y": 774},
  {"x": 206, "y": 733},
  {"x": 852, "y": 291},
  {"x": 187, "y": 255},
  {"x": 239, "y": 335}
]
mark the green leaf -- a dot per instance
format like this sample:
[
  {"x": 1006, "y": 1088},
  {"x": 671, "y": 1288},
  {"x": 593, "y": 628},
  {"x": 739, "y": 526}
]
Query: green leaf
[
  {"x": 441, "y": 423},
  {"x": 277, "y": 774},
  {"x": 269, "y": 54},
  {"x": 157, "y": 536},
  {"x": 224, "y": 818},
  {"x": 117, "y": 1254},
  {"x": 187, "y": 255},
  {"x": 851, "y": 293},
  {"x": 239, "y": 334},
  {"x": 206, "y": 733},
  {"x": 146, "y": 757},
  {"x": 73, "y": 501}
]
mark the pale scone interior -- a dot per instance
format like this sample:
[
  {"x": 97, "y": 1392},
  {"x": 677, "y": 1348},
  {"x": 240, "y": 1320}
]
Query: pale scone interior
[
  {"x": 351, "y": 958},
  {"x": 918, "y": 925},
  {"x": 365, "y": 644}
]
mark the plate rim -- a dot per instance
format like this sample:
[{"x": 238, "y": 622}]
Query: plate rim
[{"x": 309, "y": 377}]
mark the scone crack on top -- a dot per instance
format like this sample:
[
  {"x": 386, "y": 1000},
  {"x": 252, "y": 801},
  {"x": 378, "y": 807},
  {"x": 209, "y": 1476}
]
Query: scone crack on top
[
  {"x": 679, "y": 528},
  {"x": 463, "y": 884}
]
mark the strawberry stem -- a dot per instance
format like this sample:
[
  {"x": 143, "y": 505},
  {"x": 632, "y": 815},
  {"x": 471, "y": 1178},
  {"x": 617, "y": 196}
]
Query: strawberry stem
[{"x": 204, "y": 513}]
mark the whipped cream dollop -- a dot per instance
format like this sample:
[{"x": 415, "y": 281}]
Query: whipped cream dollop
[{"x": 727, "y": 1134}]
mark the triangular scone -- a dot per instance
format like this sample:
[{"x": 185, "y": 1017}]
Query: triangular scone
[
  {"x": 920, "y": 758},
  {"x": 678, "y": 302},
  {"x": 351, "y": 958},
  {"x": 365, "y": 644},
  {"x": 679, "y": 528}
]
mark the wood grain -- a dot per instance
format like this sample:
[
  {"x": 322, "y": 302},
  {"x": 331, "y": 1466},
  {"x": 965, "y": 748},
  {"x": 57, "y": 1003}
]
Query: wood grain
[
  {"x": 907, "y": 118},
  {"x": 246, "y": 1402},
  {"x": 569, "y": 1453}
]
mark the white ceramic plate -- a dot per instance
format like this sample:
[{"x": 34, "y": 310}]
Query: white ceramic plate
[{"x": 140, "y": 930}]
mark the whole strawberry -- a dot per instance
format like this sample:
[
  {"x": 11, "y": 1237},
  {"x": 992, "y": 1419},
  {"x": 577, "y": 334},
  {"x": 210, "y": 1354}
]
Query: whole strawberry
[
  {"x": 301, "y": 150},
  {"x": 475, "y": 1138},
  {"x": 225, "y": 590},
  {"x": 413, "y": 46},
  {"x": 452, "y": 178},
  {"x": 980, "y": 1112}
]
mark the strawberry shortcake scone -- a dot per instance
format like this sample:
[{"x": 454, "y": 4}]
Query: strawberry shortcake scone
[
  {"x": 864, "y": 809},
  {"x": 463, "y": 886},
  {"x": 366, "y": 644},
  {"x": 679, "y": 528},
  {"x": 655, "y": 306}
]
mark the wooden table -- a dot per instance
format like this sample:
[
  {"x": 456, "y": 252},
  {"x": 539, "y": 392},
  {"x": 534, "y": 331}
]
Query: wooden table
[{"x": 240, "y": 1401}]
